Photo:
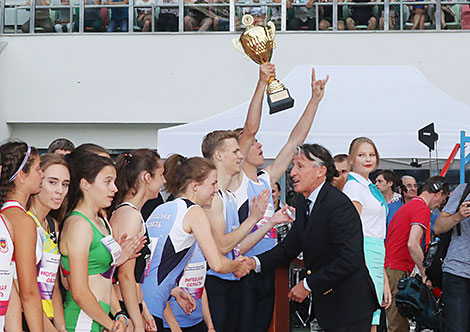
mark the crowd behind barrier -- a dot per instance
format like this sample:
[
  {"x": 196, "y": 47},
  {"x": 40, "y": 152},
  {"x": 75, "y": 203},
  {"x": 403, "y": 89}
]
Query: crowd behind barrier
[{"x": 16, "y": 16}]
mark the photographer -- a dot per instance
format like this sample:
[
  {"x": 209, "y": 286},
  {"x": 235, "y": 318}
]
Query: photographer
[
  {"x": 403, "y": 244},
  {"x": 456, "y": 267}
]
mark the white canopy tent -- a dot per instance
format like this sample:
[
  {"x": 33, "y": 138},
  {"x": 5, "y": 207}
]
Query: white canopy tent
[{"x": 389, "y": 104}]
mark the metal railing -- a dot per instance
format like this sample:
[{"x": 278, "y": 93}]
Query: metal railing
[{"x": 14, "y": 13}]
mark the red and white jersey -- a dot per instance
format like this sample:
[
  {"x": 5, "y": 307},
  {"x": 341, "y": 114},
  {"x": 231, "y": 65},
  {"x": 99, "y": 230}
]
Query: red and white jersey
[{"x": 6, "y": 270}]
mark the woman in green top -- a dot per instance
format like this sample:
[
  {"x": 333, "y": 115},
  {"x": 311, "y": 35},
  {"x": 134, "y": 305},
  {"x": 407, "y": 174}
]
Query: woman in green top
[{"x": 89, "y": 253}]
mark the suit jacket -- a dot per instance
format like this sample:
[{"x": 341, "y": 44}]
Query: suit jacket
[{"x": 332, "y": 241}]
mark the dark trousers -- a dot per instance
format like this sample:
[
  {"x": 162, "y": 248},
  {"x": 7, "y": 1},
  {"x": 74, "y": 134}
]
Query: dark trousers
[
  {"x": 256, "y": 301},
  {"x": 296, "y": 23},
  {"x": 167, "y": 22},
  {"x": 201, "y": 327},
  {"x": 362, "y": 325},
  {"x": 456, "y": 298},
  {"x": 224, "y": 301}
]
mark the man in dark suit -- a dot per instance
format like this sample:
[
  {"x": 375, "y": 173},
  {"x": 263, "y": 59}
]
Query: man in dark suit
[{"x": 329, "y": 232}]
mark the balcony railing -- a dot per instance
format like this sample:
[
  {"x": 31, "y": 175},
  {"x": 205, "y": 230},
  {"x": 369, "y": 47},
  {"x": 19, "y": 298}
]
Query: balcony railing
[{"x": 163, "y": 16}]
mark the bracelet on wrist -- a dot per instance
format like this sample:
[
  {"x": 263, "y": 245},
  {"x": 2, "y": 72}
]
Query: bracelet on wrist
[
  {"x": 121, "y": 314},
  {"x": 127, "y": 319}
]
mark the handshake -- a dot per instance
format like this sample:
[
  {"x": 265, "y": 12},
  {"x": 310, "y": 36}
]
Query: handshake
[{"x": 246, "y": 264}]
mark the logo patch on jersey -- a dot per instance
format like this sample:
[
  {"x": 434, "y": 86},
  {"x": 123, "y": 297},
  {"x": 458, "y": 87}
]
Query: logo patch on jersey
[{"x": 3, "y": 245}]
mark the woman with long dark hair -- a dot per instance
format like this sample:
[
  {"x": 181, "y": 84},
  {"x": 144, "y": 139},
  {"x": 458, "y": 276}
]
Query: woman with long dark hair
[
  {"x": 20, "y": 178},
  {"x": 6, "y": 263},
  {"x": 47, "y": 208},
  {"x": 175, "y": 226},
  {"x": 89, "y": 251},
  {"x": 139, "y": 178}
]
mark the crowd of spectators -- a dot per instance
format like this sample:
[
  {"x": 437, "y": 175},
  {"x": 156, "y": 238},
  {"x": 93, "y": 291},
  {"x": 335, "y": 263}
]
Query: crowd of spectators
[{"x": 213, "y": 15}]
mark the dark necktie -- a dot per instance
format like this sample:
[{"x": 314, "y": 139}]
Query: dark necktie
[{"x": 307, "y": 206}]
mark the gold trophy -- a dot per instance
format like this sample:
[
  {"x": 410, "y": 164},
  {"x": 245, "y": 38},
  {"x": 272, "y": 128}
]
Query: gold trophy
[{"x": 257, "y": 43}]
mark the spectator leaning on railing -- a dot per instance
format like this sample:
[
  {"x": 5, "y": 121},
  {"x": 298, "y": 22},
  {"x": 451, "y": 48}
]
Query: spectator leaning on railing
[
  {"x": 198, "y": 16},
  {"x": 144, "y": 14},
  {"x": 326, "y": 20},
  {"x": 63, "y": 18},
  {"x": 168, "y": 17},
  {"x": 119, "y": 16},
  {"x": 42, "y": 18},
  {"x": 301, "y": 16},
  {"x": 361, "y": 15}
]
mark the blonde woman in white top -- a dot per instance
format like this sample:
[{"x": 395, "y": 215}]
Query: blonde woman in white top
[{"x": 372, "y": 208}]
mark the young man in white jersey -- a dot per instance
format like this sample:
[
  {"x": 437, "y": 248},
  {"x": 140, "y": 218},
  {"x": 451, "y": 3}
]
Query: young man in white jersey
[
  {"x": 257, "y": 290},
  {"x": 224, "y": 150}
]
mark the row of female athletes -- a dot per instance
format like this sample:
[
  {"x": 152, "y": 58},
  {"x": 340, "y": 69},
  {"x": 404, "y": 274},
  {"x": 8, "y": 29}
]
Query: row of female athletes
[
  {"x": 101, "y": 264},
  {"x": 37, "y": 192}
]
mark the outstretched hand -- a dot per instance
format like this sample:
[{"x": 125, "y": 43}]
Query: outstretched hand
[
  {"x": 318, "y": 86},
  {"x": 281, "y": 216}
]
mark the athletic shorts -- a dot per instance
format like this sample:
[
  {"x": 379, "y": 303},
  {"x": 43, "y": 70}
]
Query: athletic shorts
[{"x": 77, "y": 320}]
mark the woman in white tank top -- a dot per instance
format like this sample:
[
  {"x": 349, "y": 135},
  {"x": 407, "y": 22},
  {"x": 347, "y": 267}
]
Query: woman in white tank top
[{"x": 21, "y": 177}]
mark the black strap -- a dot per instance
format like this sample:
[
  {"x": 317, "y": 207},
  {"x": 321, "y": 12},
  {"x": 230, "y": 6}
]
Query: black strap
[
  {"x": 50, "y": 224},
  {"x": 464, "y": 195}
]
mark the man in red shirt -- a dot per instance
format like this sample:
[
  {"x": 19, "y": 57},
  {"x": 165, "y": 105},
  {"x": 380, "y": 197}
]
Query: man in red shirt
[{"x": 403, "y": 244}]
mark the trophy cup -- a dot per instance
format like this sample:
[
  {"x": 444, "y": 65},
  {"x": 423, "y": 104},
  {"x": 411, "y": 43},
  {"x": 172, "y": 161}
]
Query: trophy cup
[{"x": 257, "y": 43}]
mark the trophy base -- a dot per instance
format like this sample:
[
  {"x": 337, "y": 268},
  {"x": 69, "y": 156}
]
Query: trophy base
[{"x": 280, "y": 101}]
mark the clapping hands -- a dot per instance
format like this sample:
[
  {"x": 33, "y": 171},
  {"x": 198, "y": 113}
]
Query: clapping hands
[
  {"x": 130, "y": 247},
  {"x": 258, "y": 205}
]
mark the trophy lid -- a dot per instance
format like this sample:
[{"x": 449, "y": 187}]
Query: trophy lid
[{"x": 257, "y": 41}]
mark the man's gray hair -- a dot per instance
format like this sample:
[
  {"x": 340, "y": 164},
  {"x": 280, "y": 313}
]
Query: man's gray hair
[
  {"x": 317, "y": 162},
  {"x": 407, "y": 177}
]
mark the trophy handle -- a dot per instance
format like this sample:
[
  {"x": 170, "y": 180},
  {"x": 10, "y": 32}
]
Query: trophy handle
[
  {"x": 238, "y": 46},
  {"x": 271, "y": 29}
]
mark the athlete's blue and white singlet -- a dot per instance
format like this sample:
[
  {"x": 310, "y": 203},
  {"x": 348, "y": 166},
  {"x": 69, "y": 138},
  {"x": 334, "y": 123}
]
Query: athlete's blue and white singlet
[
  {"x": 231, "y": 223},
  {"x": 247, "y": 190},
  {"x": 192, "y": 281},
  {"x": 171, "y": 249}
]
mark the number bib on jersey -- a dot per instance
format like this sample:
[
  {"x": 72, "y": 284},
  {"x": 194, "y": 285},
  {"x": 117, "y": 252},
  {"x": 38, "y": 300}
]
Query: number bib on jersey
[
  {"x": 266, "y": 218},
  {"x": 193, "y": 279},
  {"x": 47, "y": 274},
  {"x": 115, "y": 250},
  {"x": 6, "y": 281}
]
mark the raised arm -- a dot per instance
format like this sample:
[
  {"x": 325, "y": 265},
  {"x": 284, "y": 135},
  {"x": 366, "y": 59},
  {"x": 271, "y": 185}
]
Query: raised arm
[
  {"x": 196, "y": 222},
  {"x": 446, "y": 221},
  {"x": 253, "y": 117},
  {"x": 228, "y": 240},
  {"x": 300, "y": 131},
  {"x": 251, "y": 239}
]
